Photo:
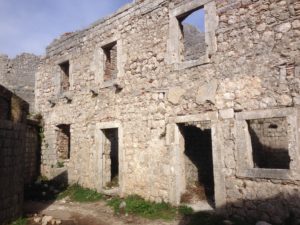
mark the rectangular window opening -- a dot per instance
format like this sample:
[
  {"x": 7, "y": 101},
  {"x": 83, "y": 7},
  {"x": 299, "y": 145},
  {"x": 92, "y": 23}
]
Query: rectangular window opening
[
  {"x": 111, "y": 69},
  {"x": 198, "y": 163},
  {"x": 63, "y": 141},
  {"x": 192, "y": 25},
  {"x": 5, "y": 109},
  {"x": 111, "y": 158},
  {"x": 269, "y": 140},
  {"x": 65, "y": 75}
]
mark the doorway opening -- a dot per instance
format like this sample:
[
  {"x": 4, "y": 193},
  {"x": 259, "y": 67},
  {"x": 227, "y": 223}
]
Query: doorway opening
[
  {"x": 110, "y": 158},
  {"x": 198, "y": 164}
]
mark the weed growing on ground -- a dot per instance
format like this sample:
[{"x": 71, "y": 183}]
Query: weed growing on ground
[
  {"x": 20, "y": 221},
  {"x": 185, "y": 210},
  {"x": 79, "y": 194},
  {"x": 60, "y": 164},
  {"x": 113, "y": 183},
  {"x": 138, "y": 206}
]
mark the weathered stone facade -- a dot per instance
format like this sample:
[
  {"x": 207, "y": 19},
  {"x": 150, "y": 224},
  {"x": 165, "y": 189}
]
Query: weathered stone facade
[
  {"x": 18, "y": 75},
  {"x": 250, "y": 70},
  {"x": 12, "y": 142}
]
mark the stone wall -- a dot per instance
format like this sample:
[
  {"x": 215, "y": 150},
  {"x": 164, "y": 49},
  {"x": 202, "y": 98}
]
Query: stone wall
[
  {"x": 18, "y": 75},
  {"x": 12, "y": 142},
  {"x": 251, "y": 66}
]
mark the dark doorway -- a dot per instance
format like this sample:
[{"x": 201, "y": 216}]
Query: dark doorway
[
  {"x": 198, "y": 163},
  {"x": 4, "y": 109},
  {"x": 111, "y": 154}
]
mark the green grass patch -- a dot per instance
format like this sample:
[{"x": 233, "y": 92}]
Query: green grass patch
[
  {"x": 138, "y": 206},
  {"x": 79, "y": 194},
  {"x": 20, "y": 221}
]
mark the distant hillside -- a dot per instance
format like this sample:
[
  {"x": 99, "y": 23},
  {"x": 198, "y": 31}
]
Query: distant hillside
[{"x": 194, "y": 42}]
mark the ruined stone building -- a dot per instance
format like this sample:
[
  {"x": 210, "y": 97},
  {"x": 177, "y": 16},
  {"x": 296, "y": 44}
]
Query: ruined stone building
[{"x": 141, "y": 103}]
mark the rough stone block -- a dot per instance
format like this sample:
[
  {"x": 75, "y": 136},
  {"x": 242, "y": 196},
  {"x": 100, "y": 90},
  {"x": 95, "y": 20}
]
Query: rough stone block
[
  {"x": 226, "y": 113},
  {"x": 175, "y": 94}
]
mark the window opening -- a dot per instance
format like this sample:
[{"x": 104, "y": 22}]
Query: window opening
[
  {"x": 65, "y": 69},
  {"x": 63, "y": 141},
  {"x": 269, "y": 140},
  {"x": 4, "y": 109},
  {"x": 192, "y": 25},
  {"x": 111, "y": 70}
]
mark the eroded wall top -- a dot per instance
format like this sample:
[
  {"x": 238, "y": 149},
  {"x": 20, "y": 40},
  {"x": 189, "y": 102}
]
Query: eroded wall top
[{"x": 18, "y": 75}]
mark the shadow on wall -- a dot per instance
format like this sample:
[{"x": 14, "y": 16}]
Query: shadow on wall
[
  {"x": 12, "y": 107},
  {"x": 45, "y": 192},
  {"x": 268, "y": 156},
  {"x": 282, "y": 209}
]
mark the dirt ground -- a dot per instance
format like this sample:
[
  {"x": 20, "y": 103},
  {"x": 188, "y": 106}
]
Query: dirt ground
[{"x": 97, "y": 213}]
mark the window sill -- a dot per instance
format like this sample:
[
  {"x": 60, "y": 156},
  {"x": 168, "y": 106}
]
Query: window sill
[
  {"x": 108, "y": 83},
  {"x": 262, "y": 173},
  {"x": 111, "y": 83},
  {"x": 192, "y": 63}
]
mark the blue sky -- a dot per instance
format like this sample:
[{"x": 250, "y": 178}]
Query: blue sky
[
  {"x": 196, "y": 19},
  {"x": 30, "y": 25}
]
